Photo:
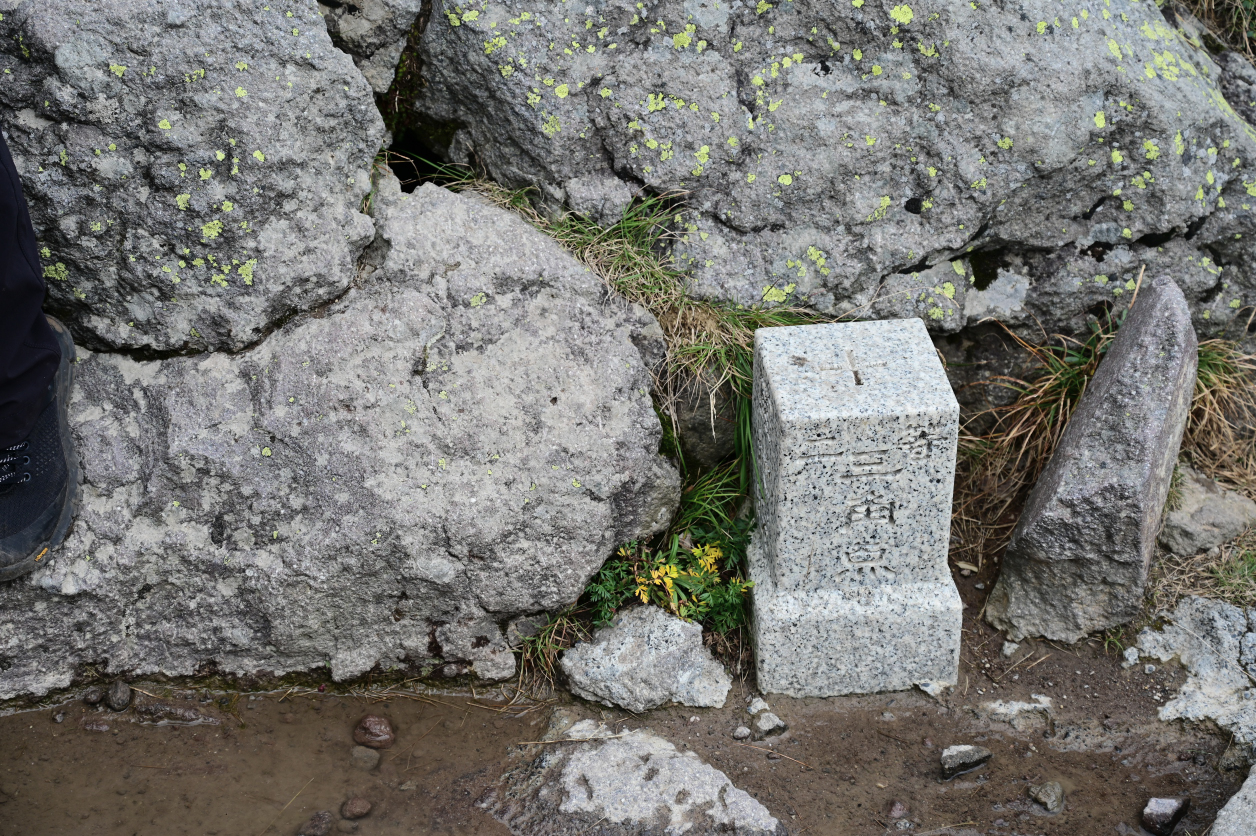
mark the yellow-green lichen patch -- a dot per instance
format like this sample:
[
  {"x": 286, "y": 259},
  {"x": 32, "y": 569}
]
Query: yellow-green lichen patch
[
  {"x": 183, "y": 201},
  {"x": 164, "y": 124},
  {"x": 771, "y": 293},
  {"x": 117, "y": 69},
  {"x": 211, "y": 229},
  {"x": 1100, "y": 119},
  {"x": 56, "y": 271},
  {"x": 478, "y": 299},
  {"x": 259, "y": 156},
  {"x": 1005, "y": 143},
  {"x": 902, "y": 14}
]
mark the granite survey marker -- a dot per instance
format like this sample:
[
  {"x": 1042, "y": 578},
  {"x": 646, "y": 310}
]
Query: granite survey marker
[{"x": 855, "y": 429}]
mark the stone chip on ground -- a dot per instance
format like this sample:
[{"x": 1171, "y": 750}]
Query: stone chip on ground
[
  {"x": 631, "y": 783},
  {"x": 1049, "y": 795},
  {"x": 646, "y": 658},
  {"x": 1206, "y": 515},
  {"x": 374, "y": 731},
  {"x": 373, "y": 462},
  {"x": 118, "y": 697},
  {"x": 187, "y": 198},
  {"x": 963, "y": 758},
  {"x": 355, "y": 808},
  {"x": 1161, "y": 815},
  {"x": 1080, "y": 553},
  {"x": 318, "y": 824},
  {"x": 767, "y": 724}
]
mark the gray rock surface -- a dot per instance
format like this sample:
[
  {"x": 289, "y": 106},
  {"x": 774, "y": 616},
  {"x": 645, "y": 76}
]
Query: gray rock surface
[
  {"x": 646, "y": 658},
  {"x": 706, "y": 424},
  {"x": 462, "y": 438},
  {"x": 630, "y": 783},
  {"x": 1161, "y": 815},
  {"x": 1080, "y": 553},
  {"x": 1205, "y": 515},
  {"x": 194, "y": 171},
  {"x": 767, "y": 724},
  {"x": 374, "y": 32},
  {"x": 1216, "y": 643},
  {"x": 873, "y": 154},
  {"x": 1236, "y": 817}
]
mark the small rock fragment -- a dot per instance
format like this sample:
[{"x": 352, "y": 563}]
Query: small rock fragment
[
  {"x": 897, "y": 810},
  {"x": 364, "y": 758},
  {"x": 355, "y": 808},
  {"x": 1131, "y": 657},
  {"x": 741, "y": 733},
  {"x": 118, "y": 696},
  {"x": 374, "y": 731},
  {"x": 1009, "y": 649},
  {"x": 1161, "y": 815},
  {"x": 346, "y": 826},
  {"x": 1149, "y": 669},
  {"x": 957, "y": 760},
  {"x": 94, "y": 695},
  {"x": 1049, "y": 795},
  {"x": 1234, "y": 758},
  {"x": 59, "y": 717},
  {"x": 757, "y": 705},
  {"x": 767, "y": 724},
  {"x": 407, "y": 786},
  {"x": 318, "y": 824}
]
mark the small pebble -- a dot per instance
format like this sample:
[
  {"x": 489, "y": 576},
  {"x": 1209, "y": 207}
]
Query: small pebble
[
  {"x": 346, "y": 826},
  {"x": 741, "y": 733},
  {"x": 1009, "y": 649},
  {"x": 364, "y": 758},
  {"x": 59, "y": 717},
  {"x": 374, "y": 731},
  {"x": 757, "y": 705},
  {"x": 693, "y": 719},
  {"x": 407, "y": 786},
  {"x": 119, "y": 696},
  {"x": 774, "y": 756},
  {"x": 318, "y": 824},
  {"x": 1149, "y": 669},
  {"x": 957, "y": 760},
  {"x": 1049, "y": 795},
  {"x": 767, "y": 724},
  {"x": 897, "y": 810},
  {"x": 979, "y": 586},
  {"x": 1161, "y": 815},
  {"x": 94, "y": 695},
  {"x": 355, "y": 808}
]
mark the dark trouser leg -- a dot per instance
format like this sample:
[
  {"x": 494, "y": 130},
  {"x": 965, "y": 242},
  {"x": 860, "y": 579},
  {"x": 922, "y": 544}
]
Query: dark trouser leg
[{"x": 28, "y": 350}]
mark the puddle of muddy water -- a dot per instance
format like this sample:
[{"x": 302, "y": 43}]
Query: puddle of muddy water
[{"x": 265, "y": 768}]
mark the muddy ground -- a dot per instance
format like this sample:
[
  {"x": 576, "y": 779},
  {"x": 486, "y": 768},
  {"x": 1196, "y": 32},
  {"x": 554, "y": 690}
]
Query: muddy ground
[{"x": 183, "y": 761}]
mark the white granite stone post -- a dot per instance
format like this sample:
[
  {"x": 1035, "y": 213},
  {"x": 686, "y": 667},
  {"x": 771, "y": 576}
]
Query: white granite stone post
[{"x": 855, "y": 431}]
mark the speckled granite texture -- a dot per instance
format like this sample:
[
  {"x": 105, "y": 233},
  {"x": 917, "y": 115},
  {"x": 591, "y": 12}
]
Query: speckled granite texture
[{"x": 855, "y": 430}]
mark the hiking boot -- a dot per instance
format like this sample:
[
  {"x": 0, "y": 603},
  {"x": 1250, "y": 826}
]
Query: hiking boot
[{"x": 39, "y": 477}]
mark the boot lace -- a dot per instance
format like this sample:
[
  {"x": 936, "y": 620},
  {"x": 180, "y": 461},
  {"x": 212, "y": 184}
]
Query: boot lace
[{"x": 12, "y": 460}]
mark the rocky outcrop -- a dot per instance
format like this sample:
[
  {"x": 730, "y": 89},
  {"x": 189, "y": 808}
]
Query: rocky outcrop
[
  {"x": 1079, "y": 555},
  {"x": 1205, "y": 515},
  {"x": 374, "y": 32},
  {"x": 463, "y": 437},
  {"x": 950, "y": 161},
  {"x": 623, "y": 784},
  {"x": 194, "y": 170},
  {"x": 645, "y": 659},
  {"x": 1216, "y": 643},
  {"x": 1236, "y": 817}
]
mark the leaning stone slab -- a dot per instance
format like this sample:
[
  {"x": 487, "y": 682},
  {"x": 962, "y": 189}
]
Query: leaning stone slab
[
  {"x": 855, "y": 429},
  {"x": 372, "y": 31},
  {"x": 1205, "y": 515},
  {"x": 647, "y": 658},
  {"x": 195, "y": 171},
  {"x": 1238, "y": 816},
  {"x": 462, "y": 438},
  {"x": 623, "y": 785},
  {"x": 1079, "y": 555}
]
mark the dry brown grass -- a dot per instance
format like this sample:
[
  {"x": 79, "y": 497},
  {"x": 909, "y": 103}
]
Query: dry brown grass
[
  {"x": 1229, "y": 575},
  {"x": 1233, "y": 22}
]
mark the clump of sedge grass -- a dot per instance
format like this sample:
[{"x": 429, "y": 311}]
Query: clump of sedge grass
[
  {"x": 1220, "y": 438},
  {"x": 1232, "y": 22}
]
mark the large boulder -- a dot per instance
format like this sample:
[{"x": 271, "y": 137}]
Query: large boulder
[
  {"x": 463, "y": 437},
  {"x": 646, "y": 658},
  {"x": 1236, "y": 817},
  {"x": 1205, "y": 515},
  {"x": 1079, "y": 555},
  {"x": 621, "y": 784},
  {"x": 194, "y": 170},
  {"x": 374, "y": 32},
  {"x": 946, "y": 160}
]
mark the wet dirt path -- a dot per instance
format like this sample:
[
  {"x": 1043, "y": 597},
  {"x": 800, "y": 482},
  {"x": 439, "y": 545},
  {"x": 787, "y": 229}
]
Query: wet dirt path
[{"x": 265, "y": 764}]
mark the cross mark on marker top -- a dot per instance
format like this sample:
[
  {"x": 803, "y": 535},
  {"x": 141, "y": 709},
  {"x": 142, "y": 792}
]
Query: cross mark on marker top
[{"x": 852, "y": 368}]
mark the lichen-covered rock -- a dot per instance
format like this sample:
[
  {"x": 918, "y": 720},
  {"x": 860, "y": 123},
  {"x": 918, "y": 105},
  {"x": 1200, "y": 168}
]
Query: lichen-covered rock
[
  {"x": 622, "y": 784},
  {"x": 462, "y": 438},
  {"x": 374, "y": 32},
  {"x": 646, "y": 658},
  {"x": 1216, "y": 643},
  {"x": 194, "y": 170},
  {"x": 1081, "y": 550},
  {"x": 836, "y": 155}
]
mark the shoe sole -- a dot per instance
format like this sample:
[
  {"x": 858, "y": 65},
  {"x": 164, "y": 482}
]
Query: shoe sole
[{"x": 69, "y": 506}]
